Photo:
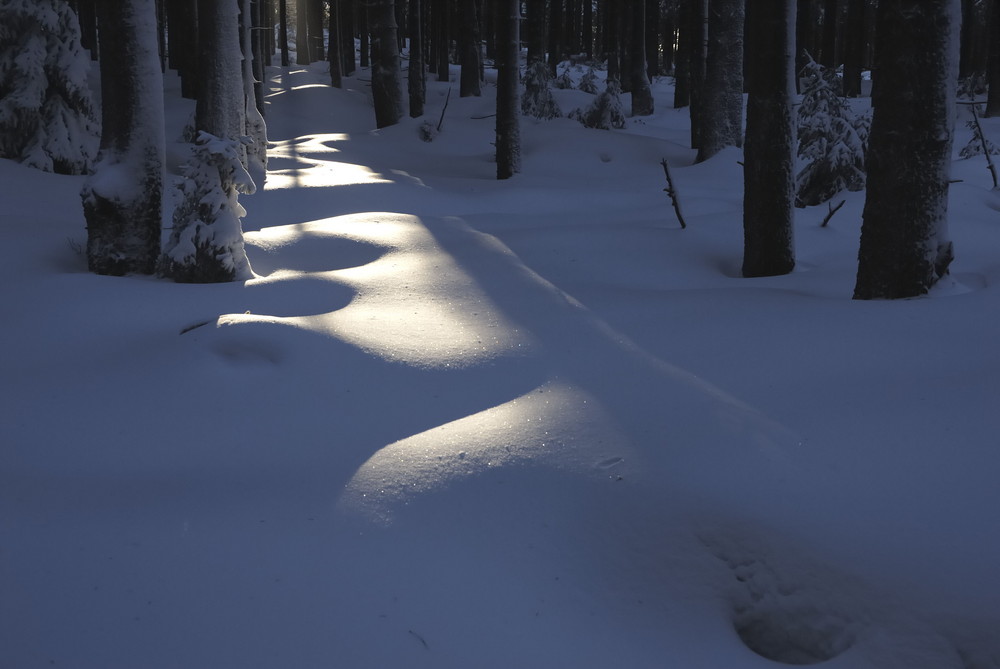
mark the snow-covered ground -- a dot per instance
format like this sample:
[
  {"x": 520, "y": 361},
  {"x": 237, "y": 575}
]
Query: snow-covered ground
[{"x": 458, "y": 422}]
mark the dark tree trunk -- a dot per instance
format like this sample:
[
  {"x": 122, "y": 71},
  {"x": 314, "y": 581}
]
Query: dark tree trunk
[
  {"x": 722, "y": 101},
  {"x": 302, "y": 56},
  {"x": 316, "y": 50},
  {"x": 363, "y": 18},
  {"x": 534, "y": 25},
  {"x": 652, "y": 46},
  {"x": 828, "y": 49},
  {"x": 556, "y": 38},
  {"x": 587, "y": 29},
  {"x": 698, "y": 21},
  {"x": 769, "y": 155},
  {"x": 471, "y": 50},
  {"x": 387, "y": 91},
  {"x": 283, "y": 35},
  {"x": 335, "y": 53},
  {"x": 257, "y": 39},
  {"x": 508, "y": 130},
  {"x": 854, "y": 48},
  {"x": 682, "y": 72},
  {"x": 905, "y": 247},
  {"x": 669, "y": 43},
  {"x": 805, "y": 36},
  {"x": 416, "y": 84},
  {"x": 85, "y": 10},
  {"x": 624, "y": 24},
  {"x": 123, "y": 220},
  {"x": 611, "y": 44},
  {"x": 993, "y": 65},
  {"x": 348, "y": 54},
  {"x": 642, "y": 94},
  {"x": 182, "y": 45},
  {"x": 443, "y": 41}
]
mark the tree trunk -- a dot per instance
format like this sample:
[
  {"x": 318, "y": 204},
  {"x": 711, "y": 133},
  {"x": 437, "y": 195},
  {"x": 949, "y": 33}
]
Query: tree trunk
[
  {"x": 508, "y": 131},
  {"x": 555, "y": 33},
  {"x": 471, "y": 50},
  {"x": 535, "y": 27},
  {"x": 722, "y": 102},
  {"x": 805, "y": 37},
  {"x": 642, "y": 94},
  {"x": 122, "y": 198},
  {"x": 443, "y": 41},
  {"x": 387, "y": 91},
  {"x": 363, "y": 19},
  {"x": 698, "y": 27},
  {"x": 769, "y": 155},
  {"x": 682, "y": 72},
  {"x": 587, "y": 29},
  {"x": 416, "y": 84},
  {"x": 828, "y": 50},
  {"x": 283, "y": 35},
  {"x": 854, "y": 48},
  {"x": 993, "y": 65},
  {"x": 302, "y": 56},
  {"x": 905, "y": 247},
  {"x": 335, "y": 53},
  {"x": 348, "y": 54},
  {"x": 652, "y": 38}
]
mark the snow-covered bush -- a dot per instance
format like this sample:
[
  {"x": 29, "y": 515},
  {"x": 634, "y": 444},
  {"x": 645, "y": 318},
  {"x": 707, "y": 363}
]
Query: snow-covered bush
[
  {"x": 605, "y": 112},
  {"x": 206, "y": 242},
  {"x": 588, "y": 83},
  {"x": 564, "y": 81},
  {"x": 47, "y": 117},
  {"x": 833, "y": 140},
  {"x": 537, "y": 99}
]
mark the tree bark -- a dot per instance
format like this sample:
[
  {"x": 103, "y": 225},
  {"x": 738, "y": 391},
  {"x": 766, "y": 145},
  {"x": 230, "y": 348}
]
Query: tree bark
[
  {"x": 854, "y": 48},
  {"x": 386, "y": 78},
  {"x": 283, "y": 35},
  {"x": 722, "y": 102},
  {"x": 471, "y": 50},
  {"x": 508, "y": 130},
  {"x": 122, "y": 200},
  {"x": 416, "y": 83},
  {"x": 335, "y": 52},
  {"x": 642, "y": 94},
  {"x": 905, "y": 247},
  {"x": 993, "y": 65},
  {"x": 769, "y": 155},
  {"x": 828, "y": 50},
  {"x": 302, "y": 55},
  {"x": 698, "y": 28}
]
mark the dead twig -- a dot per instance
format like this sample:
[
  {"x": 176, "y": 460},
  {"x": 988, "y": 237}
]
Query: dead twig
[
  {"x": 986, "y": 149},
  {"x": 441, "y": 120},
  {"x": 672, "y": 192},
  {"x": 833, "y": 210}
]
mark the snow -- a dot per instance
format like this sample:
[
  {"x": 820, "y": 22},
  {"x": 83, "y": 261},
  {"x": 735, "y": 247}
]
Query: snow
[{"x": 460, "y": 422}]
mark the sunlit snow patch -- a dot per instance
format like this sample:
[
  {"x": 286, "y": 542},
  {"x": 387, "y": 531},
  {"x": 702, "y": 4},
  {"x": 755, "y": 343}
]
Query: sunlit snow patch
[
  {"x": 556, "y": 425},
  {"x": 415, "y": 304}
]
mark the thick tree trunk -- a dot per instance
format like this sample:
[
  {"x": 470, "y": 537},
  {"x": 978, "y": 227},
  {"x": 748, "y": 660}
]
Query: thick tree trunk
[
  {"x": 122, "y": 199},
  {"x": 587, "y": 29},
  {"x": 416, "y": 82},
  {"x": 471, "y": 50},
  {"x": 302, "y": 55},
  {"x": 387, "y": 91},
  {"x": 828, "y": 56},
  {"x": 534, "y": 25},
  {"x": 556, "y": 38},
  {"x": 905, "y": 247},
  {"x": 508, "y": 130},
  {"x": 698, "y": 29},
  {"x": 993, "y": 65},
  {"x": 854, "y": 48},
  {"x": 805, "y": 36},
  {"x": 722, "y": 101},
  {"x": 283, "y": 35},
  {"x": 769, "y": 155},
  {"x": 652, "y": 38},
  {"x": 642, "y": 94},
  {"x": 335, "y": 53},
  {"x": 682, "y": 72},
  {"x": 443, "y": 41}
]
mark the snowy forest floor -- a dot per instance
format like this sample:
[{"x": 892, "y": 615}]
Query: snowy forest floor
[{"x": 460, "y": 422}]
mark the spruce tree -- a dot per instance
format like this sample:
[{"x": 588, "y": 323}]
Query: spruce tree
[{"x": 47, "y": 115}]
